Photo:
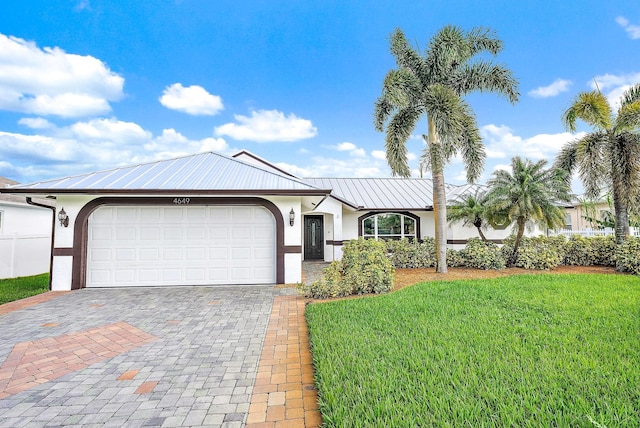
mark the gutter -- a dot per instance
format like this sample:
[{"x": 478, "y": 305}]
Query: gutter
[{"x": 53, "y": 233}]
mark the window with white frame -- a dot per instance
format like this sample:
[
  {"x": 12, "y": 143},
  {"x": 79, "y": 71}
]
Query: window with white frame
[
  {"x": 1, "y": 220},
  {"x": 388, "y": 226}
]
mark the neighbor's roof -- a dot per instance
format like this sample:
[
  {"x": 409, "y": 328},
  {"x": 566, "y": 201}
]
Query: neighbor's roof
[
  {"x": 387, "y": 193},
  {"x": 13, "y": 199},
  {"x": 205, "y": 172}
]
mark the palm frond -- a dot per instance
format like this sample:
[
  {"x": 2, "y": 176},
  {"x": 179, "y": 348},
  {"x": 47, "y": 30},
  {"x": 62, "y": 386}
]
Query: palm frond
[
  {"x": 592, "y": 163},
  {"x": 401, "y": 88},
  {"x": 381, "y": 113},
  {"x": 628, "y": 118},
  {"x": 398, "y": 132},
  {"x": 482, "y": 39},
  {"x": 405, "y": 55},
  {"x": 626, "y": 165},
  {"x": 471, "y": 148},
  {"x": 631, "y": 95},
  {"x": 591, "y": 107},
  {"x": 486, "y": 77}
]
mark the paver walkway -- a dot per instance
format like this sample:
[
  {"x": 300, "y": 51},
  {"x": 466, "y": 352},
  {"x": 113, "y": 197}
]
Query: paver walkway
[
  {"x": 284, "y": 394},
  {"x": 183, "y": 356}
]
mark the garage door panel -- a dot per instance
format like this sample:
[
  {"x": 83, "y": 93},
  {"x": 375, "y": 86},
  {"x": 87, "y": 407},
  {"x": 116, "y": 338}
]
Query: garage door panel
[{"x": 186, "y": 245}]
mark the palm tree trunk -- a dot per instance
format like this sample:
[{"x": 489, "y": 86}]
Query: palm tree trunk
[
  {"x": 484, "y": 238},
  {"x": 516, "y": 245},
  {"x": 439, "y": 199},
  {"x": 621, "y": 214}
]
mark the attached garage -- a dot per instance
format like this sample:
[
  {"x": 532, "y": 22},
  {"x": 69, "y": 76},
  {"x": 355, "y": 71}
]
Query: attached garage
[{"x": 180, "y": 245}]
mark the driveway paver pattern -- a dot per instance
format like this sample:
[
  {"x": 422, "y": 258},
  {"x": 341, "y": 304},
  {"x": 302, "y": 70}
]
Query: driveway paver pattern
[{"x": 198, "y": 367}]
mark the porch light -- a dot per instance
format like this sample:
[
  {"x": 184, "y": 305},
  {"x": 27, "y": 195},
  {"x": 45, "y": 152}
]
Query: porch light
[
  {"x": 292, "y": 217},
  {"x": 63, "y": 218}
]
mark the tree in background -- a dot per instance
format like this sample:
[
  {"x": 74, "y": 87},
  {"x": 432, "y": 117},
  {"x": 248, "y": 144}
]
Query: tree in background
[
  {"x": 432, "y": 87},
  {"x": 528, "y": 194},
  {"x": 470, "y": 209},
  {"x": 608, "y": 158}
]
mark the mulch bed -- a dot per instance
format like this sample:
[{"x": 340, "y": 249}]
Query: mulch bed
[{"x": 406, "y": 277}]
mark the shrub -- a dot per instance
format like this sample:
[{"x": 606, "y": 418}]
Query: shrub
[
  {"x": 540, "y": 253},
  {"x": 366, "y": 267},
  {"x": 330, "y": 285},
  {"x": 454, "y": 258},
  {"x": 628, "y": 256},
  {"x": 603, "y": 250},
  {"x": 480, "y": 254},
  {"x": 579, "y": 251},
  {"x": 412, "y": 254}
]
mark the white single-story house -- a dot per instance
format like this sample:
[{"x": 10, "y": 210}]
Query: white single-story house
[
  {"x": 25, "y": 234},
  {"x": 211, "y": 219}
]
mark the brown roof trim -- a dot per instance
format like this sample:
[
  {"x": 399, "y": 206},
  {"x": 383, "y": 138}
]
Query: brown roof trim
[
  {"x": 264, "y": 162},
  {"x": 169, "y": 192}
]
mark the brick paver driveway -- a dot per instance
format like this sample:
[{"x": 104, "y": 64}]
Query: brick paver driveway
[{"x": 184, "y": 356}]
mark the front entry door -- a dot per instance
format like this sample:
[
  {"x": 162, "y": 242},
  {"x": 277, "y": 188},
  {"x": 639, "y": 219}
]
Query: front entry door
[{"x": 313, "y": 237}]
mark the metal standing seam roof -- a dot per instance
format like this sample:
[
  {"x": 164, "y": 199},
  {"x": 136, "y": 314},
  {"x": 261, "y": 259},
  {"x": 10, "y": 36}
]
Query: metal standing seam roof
[
  {"x": 388, "y": 193},
  {"x": 204, "y": 172}
]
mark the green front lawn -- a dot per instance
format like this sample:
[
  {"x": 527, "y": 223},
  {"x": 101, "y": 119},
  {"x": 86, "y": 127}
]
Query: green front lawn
[
  {"x": 525, "y": 351},
  {"x": 18, "y": 288}
]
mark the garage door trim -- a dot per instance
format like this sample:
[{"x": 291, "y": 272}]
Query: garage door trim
[{"x": 81, "y": 235}]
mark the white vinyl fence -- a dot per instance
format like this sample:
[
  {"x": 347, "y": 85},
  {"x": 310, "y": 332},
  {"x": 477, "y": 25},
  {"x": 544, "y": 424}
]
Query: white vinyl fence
[
  {"x": 24, "y": 255},
  {"x": 633, "y": 231}
]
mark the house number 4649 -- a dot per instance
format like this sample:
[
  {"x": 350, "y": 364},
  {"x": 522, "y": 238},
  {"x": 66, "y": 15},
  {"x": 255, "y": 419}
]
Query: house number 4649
[{"x": 181, "y": 201}]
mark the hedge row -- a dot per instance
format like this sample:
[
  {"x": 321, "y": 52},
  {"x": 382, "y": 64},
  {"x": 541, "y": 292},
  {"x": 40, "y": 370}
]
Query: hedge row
[{"x": 540, "y": 253}]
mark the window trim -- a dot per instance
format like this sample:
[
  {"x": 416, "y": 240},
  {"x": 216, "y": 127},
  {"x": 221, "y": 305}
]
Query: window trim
[{"x": 416, "y": 218}]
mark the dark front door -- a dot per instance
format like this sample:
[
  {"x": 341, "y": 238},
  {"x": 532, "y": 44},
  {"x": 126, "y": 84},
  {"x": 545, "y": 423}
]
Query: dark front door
[{"x": 313, "y": 237}]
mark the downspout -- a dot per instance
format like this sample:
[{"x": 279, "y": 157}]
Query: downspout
[{"x": 53, "y": 232}]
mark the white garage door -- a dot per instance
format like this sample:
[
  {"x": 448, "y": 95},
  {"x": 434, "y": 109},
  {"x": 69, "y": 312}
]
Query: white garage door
[{"x": 183, "y": 245}]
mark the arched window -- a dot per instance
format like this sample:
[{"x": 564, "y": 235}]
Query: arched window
[{"x": 388, "y": 226}]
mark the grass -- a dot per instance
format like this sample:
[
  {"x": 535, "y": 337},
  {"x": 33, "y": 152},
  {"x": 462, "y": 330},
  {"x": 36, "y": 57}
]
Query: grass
[
  {"x": 521, "y": 351},
  {"x": 18, "y": 288}
]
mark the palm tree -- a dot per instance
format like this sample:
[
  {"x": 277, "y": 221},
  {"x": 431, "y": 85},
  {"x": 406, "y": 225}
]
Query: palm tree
[
  {"x": 528, "y": 194},
  {"x": 432, "y": 86},
  {"x": 470, "y": 209},
  {"x": 608, "y": 158}
]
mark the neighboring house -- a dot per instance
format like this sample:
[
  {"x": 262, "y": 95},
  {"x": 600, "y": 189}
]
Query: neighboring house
[
  {"x": 25, "y": 234},
  {"x": 577, "y": 214},
  {"x": 211, "y": 219}
]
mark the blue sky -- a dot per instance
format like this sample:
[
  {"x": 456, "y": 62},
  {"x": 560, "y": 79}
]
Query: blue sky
[{"x": 88, "y": 85}]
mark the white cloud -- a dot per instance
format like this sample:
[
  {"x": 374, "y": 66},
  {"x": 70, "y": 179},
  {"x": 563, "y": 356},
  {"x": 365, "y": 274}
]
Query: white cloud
[
  {"x": 500, "y": 142},
  {"x": 558, "y": 86},
  {"x": 194, "y": 100},
  {"x": 633, "y": 31},
  {"x": 346, "y": 146},
  {"x": 379, "y": 154},
  {"x": 614, "y": 85},
  {"x": 294, "y": 169},
  {"x": 268, "y": 126},
  {"x": 72, "y": 86},
  {"x": 36, "y": 123},
  {"x": 90, "y": 146}
]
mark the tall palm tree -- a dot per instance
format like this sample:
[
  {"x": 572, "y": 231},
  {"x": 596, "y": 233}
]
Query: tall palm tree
[
  {"x": 470, "y": 209},
  {"x": 529, "y": 194},
  {"x": 433, "y": 86},
  {"x": 608, "y": 158}
]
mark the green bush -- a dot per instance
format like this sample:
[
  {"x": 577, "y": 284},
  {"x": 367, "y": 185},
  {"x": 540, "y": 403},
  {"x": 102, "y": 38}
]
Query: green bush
[
  {"x": 454, "y": 258},
  {"x": 366, "y": 267},
  {"x": 603, "y": 250},
  {"x": 330, "y": 285},
  {"x": 412, "y": 254},
  {"x": 578, "y": 251},
  {"x": 540, "y": 253},
  {"x": 628, "y": 256},
  {"x": 482, "y": 255}
]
